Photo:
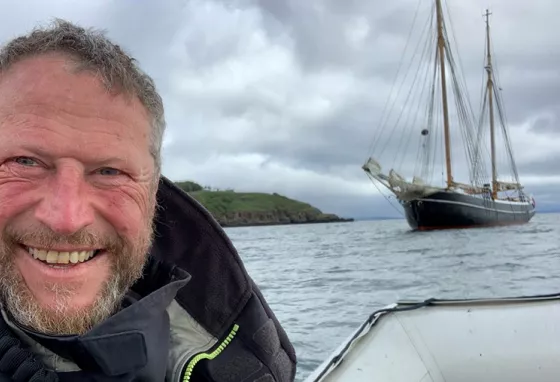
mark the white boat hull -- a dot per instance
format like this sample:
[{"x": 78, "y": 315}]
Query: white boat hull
[{"x": 514, "y": 340}]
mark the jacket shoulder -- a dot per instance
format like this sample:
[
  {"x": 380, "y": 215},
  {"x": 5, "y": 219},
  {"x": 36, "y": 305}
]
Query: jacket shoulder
[
  {"x": 221, "y": 297},
  {"x": 254, "y": 350}
]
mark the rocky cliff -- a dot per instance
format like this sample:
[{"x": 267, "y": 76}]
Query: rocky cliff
[{"x": 254, "y": 218}]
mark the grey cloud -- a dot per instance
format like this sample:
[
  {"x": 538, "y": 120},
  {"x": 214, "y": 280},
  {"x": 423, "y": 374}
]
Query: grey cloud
[
  {"x": 242, "y": 77},
  {"x": 525, "y": 99},
  {"x": 548, "y": 165},
  {"x": 364, "y": 207},
  {"x": 546, "y": 125},
  {"x": 314, "y": 32}
]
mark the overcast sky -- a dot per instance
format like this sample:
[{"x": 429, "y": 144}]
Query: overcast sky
[{"x": 285, "y": 95}]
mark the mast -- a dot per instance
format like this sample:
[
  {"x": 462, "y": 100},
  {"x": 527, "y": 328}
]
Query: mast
[
  {"x": 441, "y": 50},
  {"x": 490, "y": 86}
]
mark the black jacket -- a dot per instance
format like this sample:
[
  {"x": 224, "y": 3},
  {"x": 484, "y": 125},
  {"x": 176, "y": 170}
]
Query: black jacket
[{"x": 194, "y": 267}]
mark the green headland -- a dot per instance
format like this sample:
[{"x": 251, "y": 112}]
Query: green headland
[{"x": 238, "y": 209}]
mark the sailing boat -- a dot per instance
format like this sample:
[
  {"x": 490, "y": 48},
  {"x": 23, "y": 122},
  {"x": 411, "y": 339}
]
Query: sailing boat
[{"x": 487, "y": 198}]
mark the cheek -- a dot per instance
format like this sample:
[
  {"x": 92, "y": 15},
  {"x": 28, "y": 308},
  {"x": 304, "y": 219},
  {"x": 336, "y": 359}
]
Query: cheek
[
  {"x": 15, "y": 198},
  {"x": 126, "y": 214}
]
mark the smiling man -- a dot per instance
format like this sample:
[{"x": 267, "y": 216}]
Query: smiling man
[{"x": 107, "y": 270}]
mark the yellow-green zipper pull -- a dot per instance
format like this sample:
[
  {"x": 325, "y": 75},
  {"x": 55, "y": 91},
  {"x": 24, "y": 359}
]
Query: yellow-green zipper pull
[{"x": 200, "y": 356}]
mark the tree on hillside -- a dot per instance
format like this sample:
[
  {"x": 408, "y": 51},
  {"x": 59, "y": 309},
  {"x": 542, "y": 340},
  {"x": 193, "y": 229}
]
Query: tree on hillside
[{"x": 189, "y": 186}]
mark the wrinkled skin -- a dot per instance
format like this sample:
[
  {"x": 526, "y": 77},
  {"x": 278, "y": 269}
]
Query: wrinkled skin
[{"x": 75, "y": 174}]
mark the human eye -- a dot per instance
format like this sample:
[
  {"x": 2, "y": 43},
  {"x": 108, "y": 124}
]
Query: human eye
[
  {"x": 23, "y": 166},
  {"x": 26, "y": 161},
  {"x": 109, "y": 171}
]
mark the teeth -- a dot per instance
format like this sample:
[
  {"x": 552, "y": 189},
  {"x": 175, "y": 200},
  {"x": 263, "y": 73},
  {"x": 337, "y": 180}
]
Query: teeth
[{"x": 56, "y": 257}]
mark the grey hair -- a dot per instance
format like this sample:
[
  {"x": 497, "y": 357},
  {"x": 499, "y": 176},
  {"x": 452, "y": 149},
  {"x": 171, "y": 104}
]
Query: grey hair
[{"x": 94, "y": 52}]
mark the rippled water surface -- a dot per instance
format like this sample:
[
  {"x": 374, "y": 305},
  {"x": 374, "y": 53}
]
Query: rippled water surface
[{"x": 323, "y": 280}]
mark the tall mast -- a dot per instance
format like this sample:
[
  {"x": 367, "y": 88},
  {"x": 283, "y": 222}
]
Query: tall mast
[
  {"x": 490, "y": 86},
  {"x": 441, "y": 50}
]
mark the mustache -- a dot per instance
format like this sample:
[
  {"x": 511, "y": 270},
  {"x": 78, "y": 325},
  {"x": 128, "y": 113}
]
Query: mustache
[{"x": 45, "y": 238}]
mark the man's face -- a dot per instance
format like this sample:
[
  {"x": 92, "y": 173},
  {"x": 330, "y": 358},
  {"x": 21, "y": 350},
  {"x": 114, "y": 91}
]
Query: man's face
[{"x": 77, "y": 196}]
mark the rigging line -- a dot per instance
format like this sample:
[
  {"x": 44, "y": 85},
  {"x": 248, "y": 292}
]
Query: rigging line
[
  {"x": 458, "y": 97},
  {"x": 466, "y": 129},
  {"x": 495, "y": 95},
  {"x": 401, "y": 61},
  {"x": 440, "y": 117},
  {"x": 483, "y": 173},
  {"x": 478, "y": 166},
  {"x": 394, "y": 100},
  {"x": 502, "y": 114},
  {"x": 503, "y": 117},
  {"x": 412, "y": 126},
  {"x": 480, "y": 133},
  {"x": 416, "y": 118},
  {"x": 456, "y": 44},
  {"x": 374, "y": 141},
  {"x": 439, "y": 155},
  {"x": 482, "y": 144},
  {"x": 386, "y": 198},
  {"x": 460, "y": 105},
  {"x": 406, "y": 133},
  {"x": 482, "y": 149},
  {"x": 483, "y": 82},
  {"x": 434, "y": 139},
  {"x": 507, "y": 140},
  {"x": 427, "y": 150},
  {"x": 503, "y": 161},
  {"x": 424, "y": 148},
  {"x": 464, "y": 108},
  {"x": 395, "y": 127},
  {"x": 430, "y": 122},
  {"x": 434, "y": 107},
  {"x": 458, "y": 102},
  {"x": 419, "y": 154},
  {"x": 462, "y": 123},
  {"x": 484, "y": 89},
  {"x": 509, "y": 148},
  {"x": 423, "y": 141}
]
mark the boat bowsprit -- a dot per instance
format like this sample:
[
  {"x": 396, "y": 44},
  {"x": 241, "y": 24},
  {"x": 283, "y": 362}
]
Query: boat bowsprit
[{"x": 484, "y": 340}]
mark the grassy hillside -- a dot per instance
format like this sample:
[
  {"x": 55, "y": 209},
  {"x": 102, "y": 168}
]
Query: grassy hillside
[
  {"x": 220, "y": 202},
  {"x": 232, "y": 208}
]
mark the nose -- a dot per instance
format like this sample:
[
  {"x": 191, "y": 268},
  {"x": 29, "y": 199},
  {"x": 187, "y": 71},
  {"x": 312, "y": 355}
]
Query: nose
[{"x": 65, "y": 207}]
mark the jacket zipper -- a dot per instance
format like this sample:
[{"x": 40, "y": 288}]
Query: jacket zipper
[{"x": 187, "y": 372}]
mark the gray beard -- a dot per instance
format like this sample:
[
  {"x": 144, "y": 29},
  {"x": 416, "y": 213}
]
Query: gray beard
[
  {"x": 61, "y": 319},
  {"x": 127, "y": 264}
]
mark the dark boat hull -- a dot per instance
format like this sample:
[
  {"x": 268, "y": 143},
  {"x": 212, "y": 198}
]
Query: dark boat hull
[{"x": 448, "y": 210}]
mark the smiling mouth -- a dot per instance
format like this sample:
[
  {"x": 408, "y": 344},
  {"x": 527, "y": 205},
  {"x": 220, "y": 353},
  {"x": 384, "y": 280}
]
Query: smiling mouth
[{"x": 61, "y": 257}]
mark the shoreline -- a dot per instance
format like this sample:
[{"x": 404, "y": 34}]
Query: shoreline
[{"x": 267, "y": 224}]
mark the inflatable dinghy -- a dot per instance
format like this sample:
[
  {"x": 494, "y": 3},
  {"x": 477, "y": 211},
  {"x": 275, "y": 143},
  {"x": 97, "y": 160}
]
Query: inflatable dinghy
[{"x": 484, "y": 340}]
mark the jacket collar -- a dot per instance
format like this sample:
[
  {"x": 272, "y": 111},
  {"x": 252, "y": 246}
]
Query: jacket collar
[
  {"x": 136, "y": 335},
  {"x": 189, "y": 237}
]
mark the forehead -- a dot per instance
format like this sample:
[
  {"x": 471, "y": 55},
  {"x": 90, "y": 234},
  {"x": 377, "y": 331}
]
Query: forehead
[{"x": 47, "y": 89}]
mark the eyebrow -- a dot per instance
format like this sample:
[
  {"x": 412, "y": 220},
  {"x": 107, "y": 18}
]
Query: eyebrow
[
  {"x": 100, "y": 161},
  {"x": 36, "y": 150}
]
